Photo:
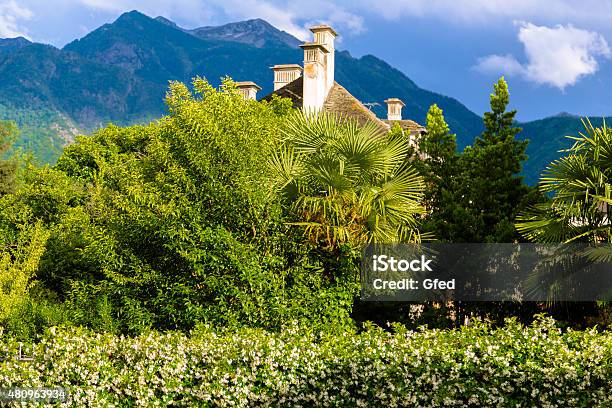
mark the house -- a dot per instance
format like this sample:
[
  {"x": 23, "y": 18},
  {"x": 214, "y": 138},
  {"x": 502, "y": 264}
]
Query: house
[{"x": 312, "y": 87}]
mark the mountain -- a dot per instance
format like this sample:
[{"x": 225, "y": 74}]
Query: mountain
[
  {"x": 371, "y": 79},
  {"x": 8, "y": 45},
  {"x": 258, "y": 33},
  {"x": 119, "y": 73},
  {"x": 37, "y": 83},
  {"x": 151, "y": 53},
  {"x": 547, "y": 137},
  {"x": 170, "y": 23}
]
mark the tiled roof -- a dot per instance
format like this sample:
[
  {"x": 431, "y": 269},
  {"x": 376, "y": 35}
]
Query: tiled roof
[
  {"x": 338, "y": 101},
  {"x": 293, "y": 90},
  {"x": 342, "y": 103}
]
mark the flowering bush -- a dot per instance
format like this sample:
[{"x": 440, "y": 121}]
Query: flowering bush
[{"x": 475, "y": 366}]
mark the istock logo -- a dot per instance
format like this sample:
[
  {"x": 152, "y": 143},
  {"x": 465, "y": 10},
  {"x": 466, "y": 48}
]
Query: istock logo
[{"x": 384, "y": 263}]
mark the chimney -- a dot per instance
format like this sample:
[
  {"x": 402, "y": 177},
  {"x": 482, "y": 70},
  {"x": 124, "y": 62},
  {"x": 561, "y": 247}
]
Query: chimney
[
  {"x": 394, "y": 108},
  {"x": 318, "y": 67},
  {"x": 284, "y": 74},
  {"x": 248, "y": 89},
  {"x": 325, "y": 35},
  {"x": 314, "y": 76}
]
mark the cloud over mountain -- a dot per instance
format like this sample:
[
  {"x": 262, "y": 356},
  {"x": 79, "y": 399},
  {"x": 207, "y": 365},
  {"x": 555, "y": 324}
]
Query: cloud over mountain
[
  {"x": 290, "y": 16},
  {"x": 558, "y": 56},
  {"x": 11, "y": 13}
]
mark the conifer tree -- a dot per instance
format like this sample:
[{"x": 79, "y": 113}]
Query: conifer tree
[
  {"x": 483, "y": 190},
  {"x": 437, "y": 164},
  {"x": 491, "y": 190},
  {"x": 438, "y": 144}
]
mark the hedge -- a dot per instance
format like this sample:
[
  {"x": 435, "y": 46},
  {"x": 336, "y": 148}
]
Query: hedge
[{"x": 476, "y": 366}]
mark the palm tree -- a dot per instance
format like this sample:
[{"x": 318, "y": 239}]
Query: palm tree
[
  {"x": 348, "y": 184},
  {"x": 580, "y": 184},
  {"x": 578, "y": 211}
]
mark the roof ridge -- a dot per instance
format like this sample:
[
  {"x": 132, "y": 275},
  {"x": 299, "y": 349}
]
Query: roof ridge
[
  {"x": 360, "y": 104},
  {"x": 341, "y": 102}
]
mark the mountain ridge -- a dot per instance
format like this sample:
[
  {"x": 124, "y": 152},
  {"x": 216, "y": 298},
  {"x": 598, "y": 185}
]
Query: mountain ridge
[
  {"x": 119, "y": 73},
  {"x": 256, "y": 32},
  {"x": 10, "y": 44}
]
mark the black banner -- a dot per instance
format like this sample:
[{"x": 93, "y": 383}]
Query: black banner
[{"x": 487, "y": 272}]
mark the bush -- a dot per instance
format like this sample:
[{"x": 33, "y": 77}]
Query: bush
[
  {"x": 174, "y": 223},
  {"x": 25, "y": 307},
  {"x": 475, "y": 366},
  {"x": 18, "y": 262}
]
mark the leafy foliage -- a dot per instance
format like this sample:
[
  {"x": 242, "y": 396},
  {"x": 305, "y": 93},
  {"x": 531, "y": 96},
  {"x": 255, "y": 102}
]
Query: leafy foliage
[
  {"x": 173, "y": 223},
  {"x": 580, "y": 209},
  {"x": 18, "y": 264},
  {"x": 347, "y": 184},
  {"x": 438, "y": 145},
  {"x": 437, "y": 162},
  {"x": 188, "y": 220},
  {"x": 8, "y": 134}
]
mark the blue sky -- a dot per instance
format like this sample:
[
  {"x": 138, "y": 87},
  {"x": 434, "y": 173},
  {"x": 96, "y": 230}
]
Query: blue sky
[{"x": 555, "y": 55}]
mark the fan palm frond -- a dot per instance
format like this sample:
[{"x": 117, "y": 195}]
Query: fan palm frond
[
  {"x": 352, "y": 184},
  {"x": 580, "y": 185}
]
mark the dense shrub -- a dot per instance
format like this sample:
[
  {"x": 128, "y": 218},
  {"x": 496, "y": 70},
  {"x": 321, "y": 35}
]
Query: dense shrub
[
  {"x": 25, "y": 306},
  {"x": 475, "y": 366},
  {"x": 174, "y": 223},
  {"x": 18, "y": 263}
]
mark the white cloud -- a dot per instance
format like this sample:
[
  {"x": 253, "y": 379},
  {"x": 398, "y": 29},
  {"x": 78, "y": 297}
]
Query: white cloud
[
  {"x": 191, "y": 10},
  {"x": 282, "y": 17},
  {"x": 290, "y": 16},
  {"x": 11, "y": 14},
  {"x": 592, "y": 12},
  {"x": 562, "y": 54},
  {"x": 505, "y": 64},
  {"x": 557, "y": 56}
]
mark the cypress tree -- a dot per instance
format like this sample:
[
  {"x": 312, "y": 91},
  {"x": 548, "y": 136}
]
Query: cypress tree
[{"x": 491, "y": 189}]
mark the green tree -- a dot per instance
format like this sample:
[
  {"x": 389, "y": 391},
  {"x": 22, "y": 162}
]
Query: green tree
[
  {"x": 437, "y": 162},
  {"x": 18, "y": 265},
  {"x": 172, "y": 223},
  {"x": 438, "y": 145},
  {"x": 579, "y": 211},
  {"x": 580, "y": 208},
  {"x": 8, "y": 135},
  {"x": 348, "y": 184},
  {"x": 489, "y": 190}
]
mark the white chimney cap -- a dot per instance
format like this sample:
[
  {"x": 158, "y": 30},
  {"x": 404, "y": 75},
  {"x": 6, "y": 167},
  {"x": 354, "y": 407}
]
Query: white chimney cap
[
  {"x": 287, "y": 67},
  {"x": 323, "y": 27},
  {"x": 285, "y": 73},
  {"x": 313, "y": 51},
  {"x": 394, "y": 101},
  {"x": 248, "y": 89},
  {"x": 247, "y": 85}
]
